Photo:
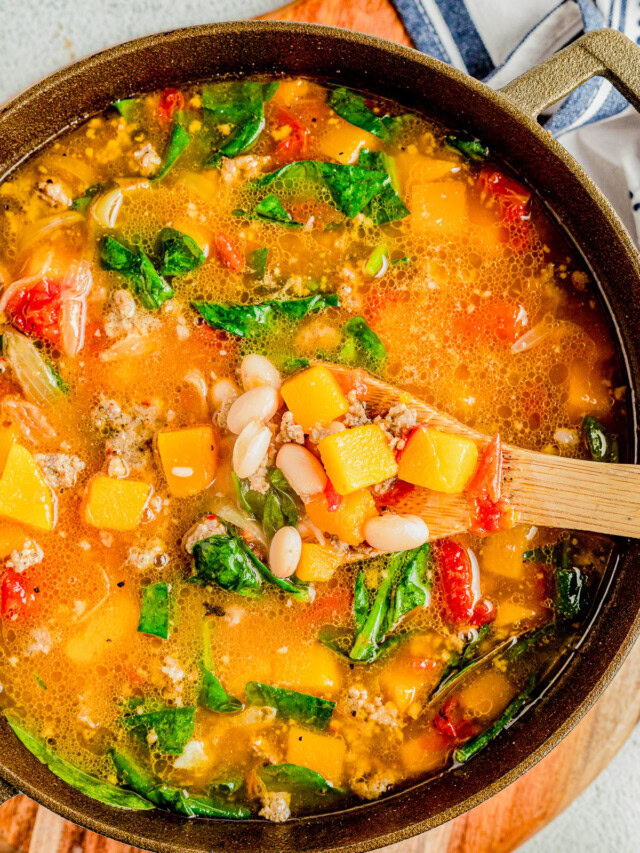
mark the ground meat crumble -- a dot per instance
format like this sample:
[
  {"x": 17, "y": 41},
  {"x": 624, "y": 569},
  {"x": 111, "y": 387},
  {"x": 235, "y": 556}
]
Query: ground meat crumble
[
  {"x": 398, "y": 421},
  {"x": 60, "y": 469},
  {"x": 208, "y": 526},
  {"x": 357, "y": 414},
  {"x": 289, "y": 431},
  {"x": 276, "y": 806}
]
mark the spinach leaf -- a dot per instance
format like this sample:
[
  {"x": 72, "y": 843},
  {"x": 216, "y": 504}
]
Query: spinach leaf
[
  {"x": 173, "y": 726},
  {"x": 82, "y": 202},
  {"x": 405, "y": 587},
  {"x": 274, "y": 509},
  {"x": 229, "y": 562},
  {"x": 213, "y": 696},
  {"x": 293, "y": 365},
  {"x": 258, "y": 262},
  {"x": 603, "y": 446},
  {"x": 361, "y": 339},
  {"x": 227, "y": 785},
  {"x": 178, "y": 253},
  {"x": 293, "y": 777},
  {"x": 241, "y": 104},
  {"x": 462, "y": 662},
  {"x": 249, "y": 321},
  {"x": 250, "y": 500},
  {"x": 150, "y": 288},
  {"x": 472, "y": 747},
  {"x": 87, "y": 784},
  {"x": 176, "y": 800},
  {"x": 386, "y": 205},
  {"x": 126, "y": 107},
  {"x": 177, "y": 145},
  {"x": 154, "y": 613},
  {"x": 467, "y": 145},
  {"x": 572, "y": 592},
  {"x": 351, "y": 187},
  {"x": 270, "y": 209},
  {"x": 290, "y": 704},
  {"x": 361, "y": 603},
  {"x": 353, "y": 108}
]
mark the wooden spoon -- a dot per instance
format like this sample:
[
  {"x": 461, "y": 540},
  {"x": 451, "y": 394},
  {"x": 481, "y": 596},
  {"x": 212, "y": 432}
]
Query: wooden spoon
[{"x": 545, "y": 490}]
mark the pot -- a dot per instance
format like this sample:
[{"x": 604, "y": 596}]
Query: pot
[{"x": 506, "y": 121}]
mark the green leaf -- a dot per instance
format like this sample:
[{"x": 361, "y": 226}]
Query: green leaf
[
  {"x": 178, "y": 253},
  {"x": 62, "y": 384},
  {"x": 462, "y": 662},
  {"x": 361, "y": 603},
  {"x": 154, "y": 613},
  {"x": 405, "y": 587},
  {"x": 251, "y": 501},
  {"x": 87, "y": 784},
  {"x": 82, "y": 203},
  {"x": 150, "y": 288},
  {"x": 467, "y": 145},
  {"x": 39, "y": 682},
  {"x": 173, "y": 726},
  {"x": 309, "y": 710},
  {"x": 126, "y": 107},
  {"x": 464, "y": 753},
  {"x": 272, "y": 210},
  {"x": 241, "y": 104},
  {"x": 294, "y": 778},
  {"x": 353, "y": 108},
  {"x": 572, "y": 592},
  {"x": 249, "y": 321},
  {"x": 351, "y": 187},
  {"x": 214, "y": 697},
  {"x": 360, "y": 338},
  {"x": 602, "y": 446},
  {"x": 176, "y": 800},
  {"x": 227, "y": 785},
  {"x": 386, "y": 205},
  {"x": 258, "y": 262},
  {"x": 178, "y": 143},
  {"x": 293, "y": 365}
]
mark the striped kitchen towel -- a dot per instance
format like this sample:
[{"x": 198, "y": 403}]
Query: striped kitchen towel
[{"x": 496, "y": 40}]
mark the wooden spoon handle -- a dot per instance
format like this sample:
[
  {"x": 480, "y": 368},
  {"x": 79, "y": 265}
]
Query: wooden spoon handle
[{"x": 553, "y": 491}]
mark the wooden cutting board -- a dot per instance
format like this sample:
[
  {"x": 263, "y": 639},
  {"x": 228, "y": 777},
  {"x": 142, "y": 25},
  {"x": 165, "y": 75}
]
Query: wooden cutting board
[{"x": 509, "y": 818}]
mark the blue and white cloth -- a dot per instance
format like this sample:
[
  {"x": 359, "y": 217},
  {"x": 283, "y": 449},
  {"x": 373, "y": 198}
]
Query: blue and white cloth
[{"x": 496, "y": 40}]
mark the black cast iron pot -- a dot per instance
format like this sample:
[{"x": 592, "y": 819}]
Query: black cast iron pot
[{"x": 506, "y": 120}]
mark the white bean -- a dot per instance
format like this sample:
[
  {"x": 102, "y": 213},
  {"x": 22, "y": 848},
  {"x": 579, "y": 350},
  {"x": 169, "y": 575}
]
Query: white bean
[
  {"x": 257, "y": 370},
  {"x": 250, "y": 448},
  {"x": 221, "y": 392},
  {"x": 391, "y": 532},
  {"x": 336, "y": 426},
  {"x": 285, "y": 551},
  {"x": 259, "y": 404},
  {"x": 303, "y": 471}
]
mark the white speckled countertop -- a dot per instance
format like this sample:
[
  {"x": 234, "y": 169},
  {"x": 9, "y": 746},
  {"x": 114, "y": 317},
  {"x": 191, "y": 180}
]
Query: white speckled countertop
[{"x": 39, "y": 36}]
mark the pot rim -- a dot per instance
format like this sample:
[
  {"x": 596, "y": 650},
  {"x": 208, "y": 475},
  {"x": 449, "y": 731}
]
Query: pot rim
[{"x": 78, "y": 813}]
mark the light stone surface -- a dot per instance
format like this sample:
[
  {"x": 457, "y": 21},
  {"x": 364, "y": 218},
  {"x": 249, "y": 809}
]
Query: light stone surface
[{"x": 39, "y": 36}]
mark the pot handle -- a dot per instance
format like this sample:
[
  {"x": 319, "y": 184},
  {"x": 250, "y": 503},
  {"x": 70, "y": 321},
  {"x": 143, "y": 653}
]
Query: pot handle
[
  {"x": 601, "y": 53},
  {"x": 6, "y": 792}
]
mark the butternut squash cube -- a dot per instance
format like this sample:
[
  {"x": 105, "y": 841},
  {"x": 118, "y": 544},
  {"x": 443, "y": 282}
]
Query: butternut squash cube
[
  {"x": 314, "y": 397},
  {"x": 343, "y": 142},
  {"x": 503, "y": 552},
  {"x": 8, "y": 437},
  {"x": 414, "y": 168},
  {"x": 510, "y": 613},
  {"x": 12, "y": 538},
  {"x": 357, "y": 458},
  {"x": 487, "y": 695},
  {"x": 586, "y": 396},
  {"x": 25, "y": 495},
  {"x": 116, "y": 504},
  {"x": 311, "y": 670},
  {"x": 348, "y": 520},
  {"x": 111, "y": 625},
  {"x": 188, "y": 459},
  {"x": 424, "y": 754},
  {"x": 436, "y": 460},
  {"x": 323, "y": 753},
  {"x": 317, "y": 563},
  {"x": 439, "y": 207}
]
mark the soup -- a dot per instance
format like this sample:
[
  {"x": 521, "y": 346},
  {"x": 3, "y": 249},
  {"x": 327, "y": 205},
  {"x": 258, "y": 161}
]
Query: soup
[{"x": 211, "y": 600}]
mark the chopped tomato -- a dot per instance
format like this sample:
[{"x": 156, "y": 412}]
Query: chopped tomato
[
  {"x": 451, "y": 722},
  {"x": 398, "y": 490},
  {"x": 487, "y": 481},
  {"x": 17, "y": 596},
  {"x": 36, "y": 310},
  {"x": 459, "y": 577},
  {"x": 505, "y": 321},
  {"x": 171, "y": 100},
  {"x": 423, "y": 664},
  {"x": 333, "y": 498},
  {"x": 512, "y": 198},
  {"x": 229, "y": 255},
  {"x": 334, "y": 604},
  {"x": 489, "y": 516},
  {"x": 295, "y": 143}
]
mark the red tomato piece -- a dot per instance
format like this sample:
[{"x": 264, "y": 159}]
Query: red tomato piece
[
  {"x": 331, "y": 605},
  {"x": 36, "y": 310},
  {"x": 333, "y": 498},
  {"x": 512, "y": 198},
  {"x": 505, "y": 321},
  {"x": 17, "y": 596},
  {"x": 460, "y": 585},
  {"x": 171, "y": 100},
  {"x": 487, "y": 481},
  {"x": 489, "y": 516},
  {"x": 229, "y": 255},
  {"x": 294, "y": 145},
  {"x": 451, "y": 722},
  {"x": 394, "y": 494}
]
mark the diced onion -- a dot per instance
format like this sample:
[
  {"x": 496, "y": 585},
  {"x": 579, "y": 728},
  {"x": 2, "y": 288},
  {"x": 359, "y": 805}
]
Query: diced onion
[
  {"x": 532, "y": 338},
  {"x": 76, "y": 287},
  {"x": 232, "y": 515},
  {"x": 30, "y": 369},
  {"x": 105, "y": 208}
]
